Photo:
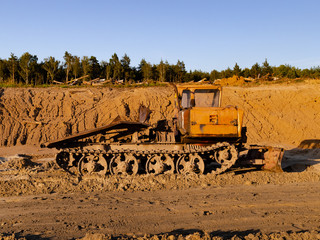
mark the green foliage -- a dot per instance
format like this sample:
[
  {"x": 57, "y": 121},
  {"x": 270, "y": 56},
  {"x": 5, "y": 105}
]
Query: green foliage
[
  {"x": 255, "y": 71},
  {"x": 125, "y": 68},
  {"x": 214, "y": 75},
  {"x": 146, "y": 69},
  {"x": 266, "y": 69},
  {"x": 226, "y": 73},
  {"x": 13, "y": 67},
  {"x": 180, "y": 71},
  {"x": 236, "y": 70},
  {"x": 246, "y": 73},
  {"x": 115, "y": 67},
  {"x": 162, "y": 70},
  {"x": 68, "y": 63},
  {"x": 85, "y": 64},
  {"x": 51, "y": 65},
  {"x": 197, "y": 75},
  {"x": 27, "y": 70},
  {"x": 4, "y": 72},
  {"x": 76, "y": 66},
  {"x": 94, "y": 66},
  {"x": 27, "y": 64}
]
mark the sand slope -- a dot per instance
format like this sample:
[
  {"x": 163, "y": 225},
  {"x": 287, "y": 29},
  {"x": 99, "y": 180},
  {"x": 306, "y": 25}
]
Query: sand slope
[{"x": 277, "y": 115}]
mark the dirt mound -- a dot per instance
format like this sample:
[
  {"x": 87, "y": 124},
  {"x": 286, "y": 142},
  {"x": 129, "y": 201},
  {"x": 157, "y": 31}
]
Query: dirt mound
[
  {"x": 276, "y": 114},
  {"x": 51, "y": 179},
  {"x": 307, "y": 235},
  {"x": 18, "y": 161},
  {"x": 304, "y": 235},
  {"x": 233, "y": 81},
  {"x": 34, "y": 115},
  {"x": 11, "y": 237}
]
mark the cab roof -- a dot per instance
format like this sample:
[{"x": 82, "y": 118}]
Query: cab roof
[{"x": 193, "y": 87}]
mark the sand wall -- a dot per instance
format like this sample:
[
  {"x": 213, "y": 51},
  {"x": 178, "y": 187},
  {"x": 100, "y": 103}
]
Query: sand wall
[{"x": 275, "y": 115}]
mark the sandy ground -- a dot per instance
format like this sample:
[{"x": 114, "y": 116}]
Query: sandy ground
[
  {"x": 44, "y": 202},
  {"x": 40, "y": 201},
  {"x": 221, "y": 211}
]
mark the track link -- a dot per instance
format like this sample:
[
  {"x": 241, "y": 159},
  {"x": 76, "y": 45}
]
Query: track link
[{"x": 216, "y": 159}]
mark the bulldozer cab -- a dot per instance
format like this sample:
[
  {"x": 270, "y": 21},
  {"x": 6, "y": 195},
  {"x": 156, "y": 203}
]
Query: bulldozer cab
[
  {"x": 204, "y": 96},
  {"x": 201, "y": 117}
]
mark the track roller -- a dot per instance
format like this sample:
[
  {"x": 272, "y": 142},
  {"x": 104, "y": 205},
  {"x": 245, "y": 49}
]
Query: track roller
[
  {"x": 192, "y": 163},
  {"x": 125, "y": 164},
  {"x": 158, "y": 164},
  {"x": 90, "y": 164}
]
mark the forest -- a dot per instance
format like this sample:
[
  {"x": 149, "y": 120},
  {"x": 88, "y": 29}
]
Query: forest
[{"x": 28, "y": 70}]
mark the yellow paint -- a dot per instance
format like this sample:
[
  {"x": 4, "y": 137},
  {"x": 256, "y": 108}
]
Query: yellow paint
[
  {"x": 214, "y": 121},
  {"x": 211, "y": 121}
]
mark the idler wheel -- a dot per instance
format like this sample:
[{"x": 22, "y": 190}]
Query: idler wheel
[
  {"x": 158, "y": 164},
  {"x": 225, "y": 155},
  {"x": 124, "y": 164},
  {"x": 90, "y": 164},
  {"x": 190, "y": 164}
]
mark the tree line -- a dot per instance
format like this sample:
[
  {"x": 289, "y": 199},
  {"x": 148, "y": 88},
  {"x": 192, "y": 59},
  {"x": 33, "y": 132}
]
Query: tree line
[{"x": 28, "y": 70}]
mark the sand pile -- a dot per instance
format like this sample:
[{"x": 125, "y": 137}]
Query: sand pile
[
  {"x": 53, "y": 180},
  {"x": 214, "y": 236},
  {"x": 233, "y": 81},
  {"x": 32, "y": 116},
  {"x": 19, "y": 162},
  {"x": 277, "y": 115}
]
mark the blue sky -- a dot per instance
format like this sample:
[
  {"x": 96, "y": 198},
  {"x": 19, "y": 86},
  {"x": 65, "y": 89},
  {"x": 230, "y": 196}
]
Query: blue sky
[{"x": 204, "y": 34}]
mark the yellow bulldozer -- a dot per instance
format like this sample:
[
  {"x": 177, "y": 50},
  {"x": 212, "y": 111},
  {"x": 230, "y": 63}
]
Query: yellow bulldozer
[{"x": 202, "y": 137}]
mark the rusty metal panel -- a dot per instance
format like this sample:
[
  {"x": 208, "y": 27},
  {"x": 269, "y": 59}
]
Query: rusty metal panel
[
  {"x": 269, "y": 158},
  {"x": 115, "y": 125},
  {"x": 273, "y": 158}
]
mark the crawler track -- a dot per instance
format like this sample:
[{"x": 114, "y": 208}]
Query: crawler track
[{"x": 130, "y": 159}]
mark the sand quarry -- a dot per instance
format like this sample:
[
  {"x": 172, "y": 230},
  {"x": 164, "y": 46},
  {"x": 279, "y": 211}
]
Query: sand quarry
[{"x": 40, "y": 201}]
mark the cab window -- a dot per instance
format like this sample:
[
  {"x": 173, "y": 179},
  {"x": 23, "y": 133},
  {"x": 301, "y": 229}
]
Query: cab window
[
  {"x": 206, "y": 97},
  {"x": 186, "y": 99}
]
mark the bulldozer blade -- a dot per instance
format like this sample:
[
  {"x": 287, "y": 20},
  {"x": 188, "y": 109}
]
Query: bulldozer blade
[
  {"x": 272, "y": 159},
  {"x": 269, "y": 158}
]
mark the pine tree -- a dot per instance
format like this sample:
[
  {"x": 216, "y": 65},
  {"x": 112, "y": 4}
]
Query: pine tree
[
  {"x": 94, "y": 67},
  {"x": 12, "y": 66},
  {"x": 76, "y": 66},
  {"x": 266, "y": 69},
  {"x": 51, "y": 65},
  {"x": 68, "y": 58},
  {"x": 115, "y": 67},
  {"x": 180, "y": 71},
  {"x": 214, "y": 75},
  {"x": 85, "y": 65},
  {"x": 236, "y": 70},
  {"x": 26, "y": 64},
  {"x": 255, "y": 71},
  {"x": 125, "y": 67},
  {"x": 146, "y": 69},
  {"x": 3, "y": 70},
  {"x": 162, "y": 70}
]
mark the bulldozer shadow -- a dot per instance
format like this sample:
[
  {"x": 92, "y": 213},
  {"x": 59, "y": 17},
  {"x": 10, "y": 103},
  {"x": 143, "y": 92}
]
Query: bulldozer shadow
[
  {"x": 304, "y": 157},
  {"x": 200, "y": 234}
]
